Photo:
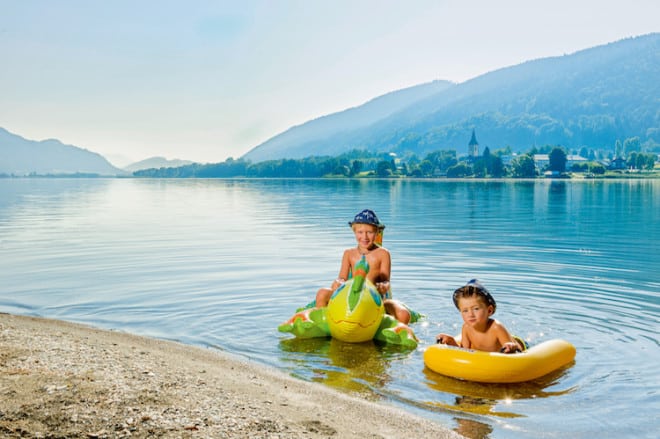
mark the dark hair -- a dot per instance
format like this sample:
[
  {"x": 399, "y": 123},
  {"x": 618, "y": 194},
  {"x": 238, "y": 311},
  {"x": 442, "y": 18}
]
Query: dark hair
[{"x": 471, "y": 289}]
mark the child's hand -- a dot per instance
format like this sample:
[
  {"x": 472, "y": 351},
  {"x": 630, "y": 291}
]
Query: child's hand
[
  {"x": 446, "y": 339},
  {"x": 510, "y": 347},
  {"x": 337, "y": 283},
  {"x": 382, "y": 287}
]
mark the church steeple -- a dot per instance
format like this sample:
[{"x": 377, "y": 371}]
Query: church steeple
[{"x": 473, "y": 146}]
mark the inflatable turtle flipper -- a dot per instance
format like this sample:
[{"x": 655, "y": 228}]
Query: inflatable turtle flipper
[
  {"x": 308, "y": 323},
  {"x": 394, "y": 332}
]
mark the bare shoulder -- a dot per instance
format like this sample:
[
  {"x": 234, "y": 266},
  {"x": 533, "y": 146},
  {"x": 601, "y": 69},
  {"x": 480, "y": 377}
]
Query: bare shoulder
[
  {"x": 494, "y": 323},
  {"x": 380, "y": 255},
  {"x": 382, "y": 251},
  {"x": 351, "y": 253},
  {"x": 498, "y": 327}
]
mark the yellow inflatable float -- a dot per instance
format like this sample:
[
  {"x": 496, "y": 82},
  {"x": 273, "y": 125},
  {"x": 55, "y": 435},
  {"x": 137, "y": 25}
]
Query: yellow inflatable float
[
  {"x": 356, "y": 308},
  {"x": 495, "y": 367},
  {"x": 355, "y": 314}
]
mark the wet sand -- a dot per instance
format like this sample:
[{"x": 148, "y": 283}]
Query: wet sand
[{"x": 64, "y": 380}]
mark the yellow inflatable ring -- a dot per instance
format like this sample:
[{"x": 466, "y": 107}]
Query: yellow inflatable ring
[{"x": 495, "y": 367}]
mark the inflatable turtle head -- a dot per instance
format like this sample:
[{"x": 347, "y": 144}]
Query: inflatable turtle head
[{"x": 356, "y": 309}]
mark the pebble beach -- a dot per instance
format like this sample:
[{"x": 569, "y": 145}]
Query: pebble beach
[{"x": 65, "y": 380}]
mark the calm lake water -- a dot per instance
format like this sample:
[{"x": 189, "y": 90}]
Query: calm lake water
[{"x": 220, "y": 263}]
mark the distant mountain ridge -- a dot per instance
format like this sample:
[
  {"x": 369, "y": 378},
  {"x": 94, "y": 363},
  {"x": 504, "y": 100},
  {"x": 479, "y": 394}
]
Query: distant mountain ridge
[
  {"x": 156, "y": 162},
  {"x": 20, "y": 157},
  {"x": 591, "y": 98},
  {"x": 319, "y": 134}
]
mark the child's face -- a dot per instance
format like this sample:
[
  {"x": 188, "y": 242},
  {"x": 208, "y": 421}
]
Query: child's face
[
  {"x": 474, "y": 310},
  {"x": 365, "y": 235}
]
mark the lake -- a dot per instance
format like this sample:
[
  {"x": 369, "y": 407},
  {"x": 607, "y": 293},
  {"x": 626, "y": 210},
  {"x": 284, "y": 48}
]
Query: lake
[{"x": 220, "y": 263}]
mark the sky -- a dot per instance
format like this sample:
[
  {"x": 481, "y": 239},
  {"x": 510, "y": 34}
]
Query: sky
[{"x": 205, "y": 80}]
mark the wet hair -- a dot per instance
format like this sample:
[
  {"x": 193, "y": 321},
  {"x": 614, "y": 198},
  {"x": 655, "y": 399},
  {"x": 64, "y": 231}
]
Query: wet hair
[{"x": 471, "y": 289}]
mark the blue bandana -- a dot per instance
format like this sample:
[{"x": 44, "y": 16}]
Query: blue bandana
[
  {"x": 367, "y": 217},
  {"x": 474, "y": 287}
]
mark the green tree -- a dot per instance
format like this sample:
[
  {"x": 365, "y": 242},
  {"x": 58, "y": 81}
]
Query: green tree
[
  {"x": 523, "y": 167},
  {"x": 393, "y": 166},
  {"x": 557, "y": 160},
  {"x": 427, "y": 168},
  {"x": 479, "y": 167},
  {"x": 443, "y": 159},
  {"x": 383, "y": 169},
  {"x": 650, "y": 161},
  {"x": 580, "y": 167},
  {"x": 496, "y": 166},
  {"x": 459, "y": 170},
  {"x": 356, "y": 167},
  {"x": 342, "y": 170}
]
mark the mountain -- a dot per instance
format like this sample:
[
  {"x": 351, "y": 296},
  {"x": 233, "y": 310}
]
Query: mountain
[
  {"x": 157, "y": 163},
  {"x": 20, "y": 156},
  {"x": 319, "y": 134},
  {"x": 591, "y": 98}
]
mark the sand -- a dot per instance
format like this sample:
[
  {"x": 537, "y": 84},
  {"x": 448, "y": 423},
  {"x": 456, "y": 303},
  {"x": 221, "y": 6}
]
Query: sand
[{"x": 64, "y": 380}]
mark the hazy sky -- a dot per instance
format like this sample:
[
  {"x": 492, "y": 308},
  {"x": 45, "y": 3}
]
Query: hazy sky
[{"x": 209, "y": 79}]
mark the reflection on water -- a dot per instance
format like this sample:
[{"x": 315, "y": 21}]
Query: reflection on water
[
  {"x": 483, "y": 398},
  {"x": 357, "y": 367},
  {"x": 492, "y": 400},
  {"x": 220, "y": 263}
]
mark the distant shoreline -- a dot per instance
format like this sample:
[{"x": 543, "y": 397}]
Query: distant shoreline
[{"x": 652, "y": 175}]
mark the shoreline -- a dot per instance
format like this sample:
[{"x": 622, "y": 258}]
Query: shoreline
[{"x": 61, "y": 379}]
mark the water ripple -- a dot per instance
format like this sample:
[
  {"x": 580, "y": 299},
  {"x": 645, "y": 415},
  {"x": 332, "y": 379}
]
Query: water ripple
[{"x": 220, "y": 264}]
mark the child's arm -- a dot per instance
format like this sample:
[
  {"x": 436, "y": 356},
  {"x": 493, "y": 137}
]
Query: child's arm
[
  {"x": 461, "y": 341},
  {"x": 383, "y": 280},
  {"x": 465, "y": 338},
  {"x": 344, "y": 270},
  {"x": 509, "y": 344}
]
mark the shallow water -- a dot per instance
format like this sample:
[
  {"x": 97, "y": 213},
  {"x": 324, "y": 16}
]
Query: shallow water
[{"x": 220, "y": 263}]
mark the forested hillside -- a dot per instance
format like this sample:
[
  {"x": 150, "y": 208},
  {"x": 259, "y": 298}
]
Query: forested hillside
[{"x": 591, "y": 99}]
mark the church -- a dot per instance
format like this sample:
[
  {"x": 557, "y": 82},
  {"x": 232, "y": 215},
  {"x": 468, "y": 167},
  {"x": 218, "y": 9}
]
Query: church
[{"x": 473, "y": 146}]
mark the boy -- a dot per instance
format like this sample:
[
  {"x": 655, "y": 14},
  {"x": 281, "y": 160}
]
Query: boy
[
  {"x": 366, "y": 228},
  {"x": 480, "y": 331}
]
